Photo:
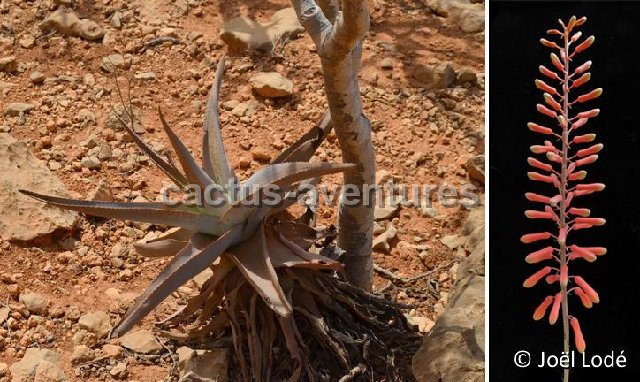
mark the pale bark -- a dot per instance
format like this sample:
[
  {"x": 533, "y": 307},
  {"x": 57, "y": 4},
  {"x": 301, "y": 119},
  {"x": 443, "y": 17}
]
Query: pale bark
[{"x": 338, "y": 39}]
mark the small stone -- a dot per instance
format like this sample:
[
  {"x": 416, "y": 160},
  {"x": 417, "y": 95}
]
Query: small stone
[
  {"x": 385, "y": 212},
  {"x": 271, "y": 85},
  {"x": 145, "y": 76},
  {"x": 119, "y": 371},
  {"x": 141, "y": 341},
  {"x": 102, "y": 193},
  {"x": 428, "y": 212},
  {"x": 37, "y": 77},
  {"x": 203, "y": 365},
  {"x": 112, "y": 62},
  {"x": 387, "y": 63},
  {"x": 381, "y": 242},
  {"x": 243, "y": 33},
  {"x": 475, "y": 167},
  {"x": 27, "y": 41},
  {"x": 89, "y": 80},
  {"x": 261, "y": 156},
  {"x": 81, "y": 354},
  {"x": 16, "y": 108},
  {"x": 4, "y": 314},
  {"x": 97, "y": 322},
  {"x": 112, "y": 351},
  {"x": 66, "y": 22},
  {"x": 35, "y": 303},
  {"x": 467, "y": 75},
  {"x": 90, "y": 162},
  {"x": 451, "y": 241},
  {"x": 438, "y": 77},
  {"x": 244, "y": 163},
  {"x": 8, "y": 64}
]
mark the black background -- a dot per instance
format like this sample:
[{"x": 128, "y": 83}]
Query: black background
[{"x": 514, "y": 54}]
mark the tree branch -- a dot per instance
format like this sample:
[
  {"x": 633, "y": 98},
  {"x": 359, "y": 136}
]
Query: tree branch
[
  {"x": 331, "y": 9},
  {"x": 312, "y": 18}
]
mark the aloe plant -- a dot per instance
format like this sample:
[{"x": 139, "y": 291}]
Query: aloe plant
[
  {"x": 563, "y": 168},
  {"x": 264, "y": 267}
]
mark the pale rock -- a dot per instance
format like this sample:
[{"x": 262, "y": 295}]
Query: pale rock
[
  {"x": 66, "y": 22},
  {"x": 451, "y": 241},
  {"x": 112, "y": 351},
  {"x": 37, "y": 77},
  {"x": 4, "y": 314},
  {"x": 145, "y": 76},
  {"x": 141, "y": 341},
  {"x": 475, "y": 168},
  {"x": 113, "y": 62},
  {"x": 98, "y": 323},
  {"x": 386, "y": 63},
  {"x": 203, "y": 365},
  {"x": 435, "y": 77},
  {"x": 27, "y": 41},
  {"x": 16, "y": 108},
  {"x": 81, "y": 354},
  {"x": 35, "y": 303},
  {"x": 271, "y": 85},
  {"x": 102, "y": 192},
  {"x": 381, "y": 242},
  {"x": 387, "y": 211},
  {"x": 38, "y": 365},
  {"x": 243, "y": 33},
  {"x": 8, "y": 64},
  {"x": 119, "y": 371}
]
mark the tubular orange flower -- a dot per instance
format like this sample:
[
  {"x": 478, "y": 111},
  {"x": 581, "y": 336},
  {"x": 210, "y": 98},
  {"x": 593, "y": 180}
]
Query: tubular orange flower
[
  {"x": 583, "y": 68},
  {"x": 588, "y": 160},
  {"x": 582, "y": 80},
  {"x": 532, "y": 237},
  {"x": 542, "y": 166},
  {"x": 585, "y": 44},
  {"x": 589, "y": 96},
  {"x": 534, "y": 278},
  {"x": 586, "y": 301},
  {"x": 577, "y": 335},
  {"x": 548, "y": 73},
  {"x": 546, "y": 111},
  {"x": 593, "y": 295},
  {"x": 590, "y": 151},
  {"x": 540, "y": 255},
  {"x": 555, "y": 309},
  {"x": 586, "y": 138},
  {"x": 542, "y": 308}
]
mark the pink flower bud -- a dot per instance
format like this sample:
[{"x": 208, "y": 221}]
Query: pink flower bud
[
  {"x": 539, "y": 129},
  {"x": 583, "y": 253},
  {"x": 582, "y": 80},
  {"x": 539, "y": 177},
  {"x": 548, "y": 99},
  {"x": 598, "y": 251},
  {"x": 533, "y": 214},
  {"x": 538, "y": 164},
  {"x": 583, "y": 212},
  {"x": 588, "y": 160},
  {"x": 592, "y": 221},
  {"x": 555, "y": 309},
  {"x": 546, "y": 111},
  {"x": 581, "y": 21},
  {"x": 540, "y": 255},
  {"x": 563, "y": 122},
  {"x": 590, "y": 186},
  {"x": 589, "y": 151},
  {"x": 542, "y": 308},
  {"x": 548, "y": 73},
  {"x": 537, "y": 198},
  {"x": 580, "y": 175},
  {"x": 589, "y": 96},
  {"x": 538, "y": 149},
  {"x": 554, "y": 31},
  {"x": 577, "y": 335},
  {"x": 546, "y": 88},
  {"x": 584, "y": 138},
  {"x": 549, "y": 44},
  {"x": 585, "y": 44},
  {"x": 571, "y": 24},
  {"x": 564, "y": 275},
  {"x": 532, "y": 237},
  {"x": 593, "y": 295},
  {"x": 576, "y": 36},
  {"x": 583, "y": 68},
  {"x": 553, "y": 157},
  {"x": 579, "y": 123},
  {"x": 534, "y": 278},
  {"x": 586, "y": 301},
  {"x": 556, "y": 62},
  {"x": 552, "y": 279}
]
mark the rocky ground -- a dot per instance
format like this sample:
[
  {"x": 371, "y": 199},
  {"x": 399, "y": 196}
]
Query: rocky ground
[{"x": 65, "y": 279}]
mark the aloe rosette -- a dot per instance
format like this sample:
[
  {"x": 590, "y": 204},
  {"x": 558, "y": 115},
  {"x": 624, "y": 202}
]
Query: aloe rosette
[
  {"x": 265, "y": 264},
  {"x": 561, "y": 161}
]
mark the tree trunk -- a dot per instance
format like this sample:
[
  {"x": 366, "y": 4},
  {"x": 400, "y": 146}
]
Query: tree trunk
[{"x": 338, "y": 38}]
